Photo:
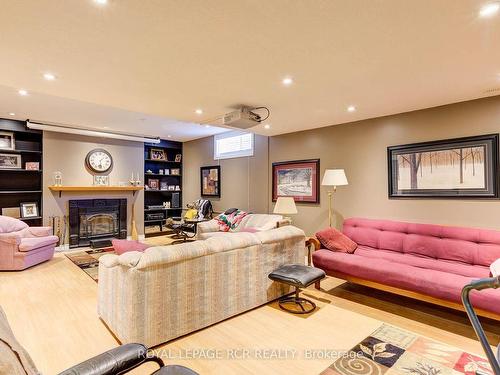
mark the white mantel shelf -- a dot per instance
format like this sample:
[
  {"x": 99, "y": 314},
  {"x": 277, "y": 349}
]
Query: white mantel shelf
[{"x": 60, "y": 189}]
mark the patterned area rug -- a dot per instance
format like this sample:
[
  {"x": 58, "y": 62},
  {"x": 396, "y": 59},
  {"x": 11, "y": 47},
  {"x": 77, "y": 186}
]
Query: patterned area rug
[
  {"x": 390, "y": 350},
  {"x": 88, "y": 260}
]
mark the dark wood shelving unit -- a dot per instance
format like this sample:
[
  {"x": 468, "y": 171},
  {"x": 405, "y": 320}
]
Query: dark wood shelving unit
[
  {"x": 20, "y": 185},
  {"x": 157, "y": 197}
]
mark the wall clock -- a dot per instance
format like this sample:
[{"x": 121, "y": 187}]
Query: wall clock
[{"x": 99, "y": 160}]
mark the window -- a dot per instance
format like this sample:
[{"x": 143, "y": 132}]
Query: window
[{"x": 234, "y": 144}]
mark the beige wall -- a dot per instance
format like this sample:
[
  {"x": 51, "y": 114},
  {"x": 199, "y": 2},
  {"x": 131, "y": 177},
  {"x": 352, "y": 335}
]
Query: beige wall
[
  {"x": 360, "y": 148},
  {"x": 66, "y": 153},
  {"x": 244, "y": 181}
]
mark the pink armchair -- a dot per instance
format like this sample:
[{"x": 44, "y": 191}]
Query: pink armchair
[{"x": 21, "y": 246}]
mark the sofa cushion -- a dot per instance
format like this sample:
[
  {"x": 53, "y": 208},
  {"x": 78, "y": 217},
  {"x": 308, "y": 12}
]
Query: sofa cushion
[
  {"x": 259, "y": 221},
  {"x": 439, "y": 284},
  {"x": 123, "y": 246},
  {"x": 9, "y": 224},
  {"x": 335, "y": 240},
  {"x": 467, "y": 245},
  {"x": 33, "y": 243},
  {"x": 14, "y": 360},
  {"x": 457, "y": 268}
]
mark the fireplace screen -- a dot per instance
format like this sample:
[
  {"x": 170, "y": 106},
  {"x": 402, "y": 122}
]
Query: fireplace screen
[
  {"x": 96, "y": 219},
  {"x": 100, "y": 224}
]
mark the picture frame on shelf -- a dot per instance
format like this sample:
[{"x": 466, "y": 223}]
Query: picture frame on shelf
[
  {"x": 14, "y": 212},
  {"x": 175, "y": 172},
  {"x": 451, "y": 168},
  {"x": 157, "y": 154},
  {"x": 166, "y": 171},
  {"x": 163, "y": 185},
  {"x": 178, "y": 158},
  {"x": 298, "y": 179},
  {"x": 32, "y": 166},
  {"x": 154, "y": 184},
  {"x": 7, "y": 141},
  {"x": 101, "y": 180},
  {"x": 10, "y": 161},
  {"x": 29, "y": 209},
  {"x": 171, "y": 187},
  {"x": 210, "y": 180}
]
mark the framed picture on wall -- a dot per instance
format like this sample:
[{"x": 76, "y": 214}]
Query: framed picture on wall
[
  {"x": 210, "y": 181},
  {"x": 298, "y": 179},
  {"x": 452, "y": 168}
]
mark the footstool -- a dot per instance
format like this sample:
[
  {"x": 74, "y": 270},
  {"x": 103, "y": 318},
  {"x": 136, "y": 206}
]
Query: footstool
[{"x": 298, "y": 276}]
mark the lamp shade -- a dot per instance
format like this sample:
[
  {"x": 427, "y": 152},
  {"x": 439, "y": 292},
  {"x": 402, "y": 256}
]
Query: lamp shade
[
  {"x": 285, "y": 205},
  {"x": 334, "y": 177}
]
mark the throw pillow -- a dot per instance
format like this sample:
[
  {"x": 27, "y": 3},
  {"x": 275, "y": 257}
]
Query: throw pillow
[
  {"x": 123, "y": 246},
  {"x": 335, "y": 240},
  {"x": 495, "y": 268}
]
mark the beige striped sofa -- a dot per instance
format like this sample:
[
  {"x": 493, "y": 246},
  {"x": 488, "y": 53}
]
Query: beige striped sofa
[{"x": 169, "y": 291}]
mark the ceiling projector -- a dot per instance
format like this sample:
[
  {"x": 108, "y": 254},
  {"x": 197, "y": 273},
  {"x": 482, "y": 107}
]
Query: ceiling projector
[{"x": 242, "y": 118}]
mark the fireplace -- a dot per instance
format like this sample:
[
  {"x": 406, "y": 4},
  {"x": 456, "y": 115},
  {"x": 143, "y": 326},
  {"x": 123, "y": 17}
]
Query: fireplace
[{"x": 96, "y": 221}]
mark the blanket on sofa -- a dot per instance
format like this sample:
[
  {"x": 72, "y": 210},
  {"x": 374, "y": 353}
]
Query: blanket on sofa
[{"x": 231, "y": 221}]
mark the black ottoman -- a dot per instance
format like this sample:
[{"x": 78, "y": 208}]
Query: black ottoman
[
  {"x": 174, "y": 370},
  {"x": 299, "y": 276}
]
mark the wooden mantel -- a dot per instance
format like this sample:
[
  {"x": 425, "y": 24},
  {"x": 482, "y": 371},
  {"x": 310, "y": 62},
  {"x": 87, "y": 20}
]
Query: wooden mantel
[{"x": 60, "y": 189}]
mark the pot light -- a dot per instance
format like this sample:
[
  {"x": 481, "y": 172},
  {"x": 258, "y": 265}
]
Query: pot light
[
  {"x": 207, "y": 126},
  {"x": 101, "y": 2},
  {"x": 23, "y": 92},
  {"x": 287, "y": 81},
  {"x": 12, "y": 114},
  {"x": 351, "y": 108},
  {"x": 267, "y": 126},
  {"x": 489, "y": 10},
  {"x": 199, "y": 111},
  {"x": 49, "y": 76},
  {"x": 169, "y": 136}
]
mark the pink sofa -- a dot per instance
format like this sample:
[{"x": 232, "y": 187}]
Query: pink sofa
[
  {"x": 21, "y": 246},
  {"x": 428, "y": 262}
]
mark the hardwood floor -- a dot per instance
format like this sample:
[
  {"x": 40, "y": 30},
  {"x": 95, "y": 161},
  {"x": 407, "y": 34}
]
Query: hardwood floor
[{"x": 52, "y": 310}]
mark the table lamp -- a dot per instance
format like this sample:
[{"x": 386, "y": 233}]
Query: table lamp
[
  {"x": 333, "y": 177},
  {"x": 285, "y": 206}
]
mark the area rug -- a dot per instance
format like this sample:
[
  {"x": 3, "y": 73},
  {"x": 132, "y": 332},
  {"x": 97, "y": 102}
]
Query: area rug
[
  {"x": 88, "y": 260},
  {"x": 391, "y": 350}
]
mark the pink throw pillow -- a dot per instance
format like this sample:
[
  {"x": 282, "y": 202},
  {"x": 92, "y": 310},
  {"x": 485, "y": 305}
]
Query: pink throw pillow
[
  {"x": 123, "y": 246},
  {"x": 335, "y": 240}
]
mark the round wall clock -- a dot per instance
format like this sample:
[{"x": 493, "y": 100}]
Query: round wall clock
[{"x": 99, "y": 160}]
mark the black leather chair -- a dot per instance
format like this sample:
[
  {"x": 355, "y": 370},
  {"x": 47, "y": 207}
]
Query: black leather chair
[{"x": 123, "y": 359}]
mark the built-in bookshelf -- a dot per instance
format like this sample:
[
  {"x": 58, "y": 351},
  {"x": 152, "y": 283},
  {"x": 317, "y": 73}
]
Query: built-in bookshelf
[
  {"x": 17, "y": 184},
  {"x": 162, "y": 183}
]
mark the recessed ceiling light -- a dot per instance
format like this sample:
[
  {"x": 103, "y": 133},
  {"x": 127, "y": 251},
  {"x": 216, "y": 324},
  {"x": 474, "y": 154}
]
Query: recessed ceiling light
[
  {"x": 489, "y": 10},
  {"x": 101, "y": 2},
  {"x": 351, "y": 108},
  {"x": 23, "y": 92},
  {"x": 49, "y": 76},
  {"x": 199, "y": 111},
  {"x": 12, "y": 114},
  {"x": 207, "y": 126},
  {"x": 267, "y": 126},
  {"x": 287, "y": 81},
  {"x": 169, "y": 136}
]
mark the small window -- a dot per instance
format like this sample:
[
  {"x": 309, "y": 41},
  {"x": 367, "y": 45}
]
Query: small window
[{"x": 234, "y": 144}]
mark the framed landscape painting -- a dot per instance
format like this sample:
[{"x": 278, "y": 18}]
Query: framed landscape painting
[
  {"x": 210, "y": 181},
  {"x": 298, "y": 179},
  {"x": 452, "y": 168}
]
